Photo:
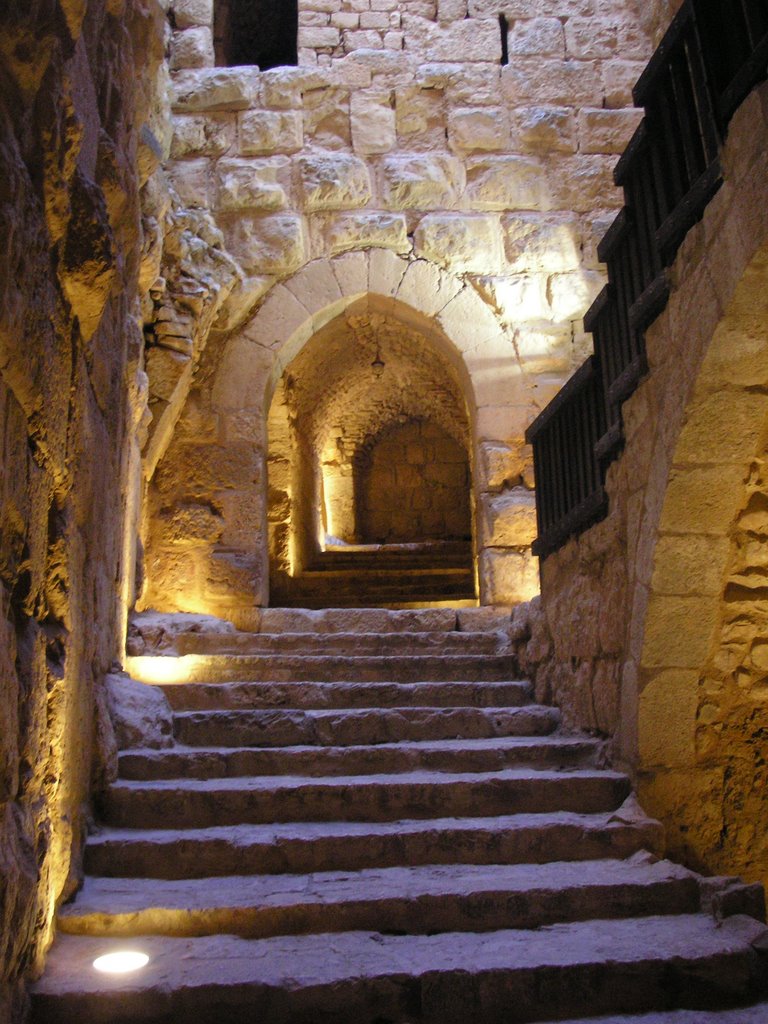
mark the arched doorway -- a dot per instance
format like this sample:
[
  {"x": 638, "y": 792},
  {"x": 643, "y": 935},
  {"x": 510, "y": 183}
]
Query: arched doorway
[{"x": 369, "y": 474}]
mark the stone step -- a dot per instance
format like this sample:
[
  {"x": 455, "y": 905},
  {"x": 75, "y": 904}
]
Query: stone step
[
  {"x": 321, "y": 668},
  {"x": 339, "y": 727},
  {"x": 360, "y": 977},
  {"x": 380, "y": 644},
  {"x": 756, "y": 1014},
  {"x": 465, "y": 600},
  {"x": 297, "y": 847},
  {"x": 196, "y": 803},
  {"x": 211, "y": 696},
  {"x": 375, "y": 620},
  {"x": 408, "y": 900},
  {"x": 436, "y": 755}
]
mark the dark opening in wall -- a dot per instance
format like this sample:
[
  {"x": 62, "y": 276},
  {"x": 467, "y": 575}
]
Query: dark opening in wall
[
  {"x": 261, "y": 32},
  {"x": 504, "y": 28}
]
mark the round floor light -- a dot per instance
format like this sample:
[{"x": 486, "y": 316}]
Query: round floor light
[{"x": 122, "y": 962}]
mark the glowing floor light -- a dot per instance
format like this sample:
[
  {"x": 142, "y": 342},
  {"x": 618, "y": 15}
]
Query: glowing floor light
[{"x": 123, "y": 962}]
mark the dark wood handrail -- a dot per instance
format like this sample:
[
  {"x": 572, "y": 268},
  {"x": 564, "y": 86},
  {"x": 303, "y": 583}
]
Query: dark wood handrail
[{"x": 713, "y": 54}]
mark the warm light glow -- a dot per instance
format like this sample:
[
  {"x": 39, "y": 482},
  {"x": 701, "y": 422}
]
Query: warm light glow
[
  {"x": 123, "y": 962},
  {"x": 168, "y": 669}
]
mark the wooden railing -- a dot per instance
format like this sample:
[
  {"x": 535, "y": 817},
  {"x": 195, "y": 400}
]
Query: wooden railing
[{"x": 713, "y": 54}]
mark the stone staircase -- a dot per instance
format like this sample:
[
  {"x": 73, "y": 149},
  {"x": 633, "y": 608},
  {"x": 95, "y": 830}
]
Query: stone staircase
[
  {"x": 364, "y": 819},
  {"x": 387, "y": 576}
]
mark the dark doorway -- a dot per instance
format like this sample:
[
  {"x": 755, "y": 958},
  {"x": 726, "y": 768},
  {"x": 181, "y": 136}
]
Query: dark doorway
[{"x": 260, "y": 32}]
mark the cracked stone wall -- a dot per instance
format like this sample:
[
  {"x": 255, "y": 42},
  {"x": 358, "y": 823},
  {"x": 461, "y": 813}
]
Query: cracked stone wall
[
  {"x": 401, "y": 137},
  {"x": 651, "y": 627},
  {"x": 75, "y": 93}
]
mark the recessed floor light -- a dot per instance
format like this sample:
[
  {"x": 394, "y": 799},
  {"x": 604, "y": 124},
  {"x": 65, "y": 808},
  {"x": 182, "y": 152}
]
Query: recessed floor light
[{"x": 123, "y": 962}]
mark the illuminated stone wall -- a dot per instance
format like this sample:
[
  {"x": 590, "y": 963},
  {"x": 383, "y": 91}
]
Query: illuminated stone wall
[
  {"x": 75, "y": 91},
  {"x": 651, "y": 627},
  {"x": 400, "y": 138}
]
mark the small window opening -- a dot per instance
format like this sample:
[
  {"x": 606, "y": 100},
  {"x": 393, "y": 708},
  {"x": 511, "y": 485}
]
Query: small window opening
[
  {"x": 260, "y": 32},
  {"x": 504, "y": 28}
]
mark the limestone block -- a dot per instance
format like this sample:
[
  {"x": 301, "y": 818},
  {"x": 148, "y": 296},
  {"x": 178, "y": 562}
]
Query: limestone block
[
  {"x": 164, "y": 369},
  {"x": 373, "y": 122},
  {"x": 419, "y": 113},
  {"x": 702, "y": 499},
  {"x": 421, "y": 181},
  {"x": 251, "y": 184},
  {"x": 270, "y": 131},
  {"x": 473, "y": 85},
  {"x": 689, "y": 564},
  {"x": 192, "y": 13},
  {"x": 385, "y": 272},
  {"x": 607, "y": 131},
  {"x": 141, "y": 714},
  {"x": 281, "y": 88},
  {"x": 518, "y": 298},
  {"x": 466, "y": 40},
  {"x": 508, "y": 577},
  {"x": 591, "y": 38},
  {"x": 194, "y": 135},
  {"x": 510, "y": 519},
  {"x": 619, "y": 77},
  {"x": 314, "y": 38},
  {"x": 470, "y": 322},
  {"x": 451, "y": 10},
  {"x": 584, "y": 184},
  {"x": 333, "y": 181},
  {"x": 427, "y": 288},
  {"x": 564, "y": 83},
  {"x": 571, "y": 295},
  {"x": 316, "y": 286},
  {"x": 536, "y": 37},
  {"x": 351, "y": 272},
  {"x": 678, "y": 631},
  {"x": 266, "y": 244},
  {"x": 394, "y": 40},
  {"x": 507, "y": 183},
  {"x": 723, "y": 426},
  {"x": 281, "y": 316},
  {"x": 545, "y": 129},
  {"x": 501, "y": 465},
  {"x": 240, "y": 301},
  {"x": 667, "y": 719},
  {"x": 191, "y": 180},
  {"x": 192, "y": 49},
  {"x": 461, "y": 243},
  {"x": 549, "y": 244},
  {"x": 353, "y": 230},
  {"x": 214, "y": 89},
  {"x": 345, "y": 20},
  {"x": 483, "y": 128},
  {"x": 546, "y": 348},
  {"x": 241, "y": 379},
  {"x": 361, "y": 39},
  {"x": 188, "y": 523}
]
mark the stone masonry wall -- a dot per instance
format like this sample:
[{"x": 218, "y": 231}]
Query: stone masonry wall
[
  {"x": 73, "y": 100},
  {"x": 651, "y": 626},
  {"x": 401, "y": 132}
]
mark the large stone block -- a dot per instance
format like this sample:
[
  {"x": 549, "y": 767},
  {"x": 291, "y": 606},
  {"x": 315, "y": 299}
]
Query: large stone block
[
  {"x": 510, "y": 519},
  {"x": 192, "y": 49},
  {"x": 461, "y": 243},
  {"x": 191, "y": 13},
  {"x": 508, "y": 577},
  {"x": 373, "y": 122},
  {"x": 507, "y": 183},
  {"x": 367, "y": 230},
  {"x": 251, "y": 184},
  {"x": 266, "y": 245},
  {"x": 141, "y": 714},
  {"x": 545, "y": 129},
  {"x": 214, "y": 89},
  {"x": 481, "y": 128},
  {"x": 591, "y": 38},
  {"x": 333, "y": 181},
  {"x": 270, "y": 131},
  {"x": 194, "y": 135},
  {"x": 571, "y": 295},
  {"x": 536, "y": 37},
  {"x": 422, "y": 181},
  {"x": 606, "y": 131},
  {"x": 519, "y": 298},
  {"x": 549, "y": 244},
  {"x": 564, "y": 83}
]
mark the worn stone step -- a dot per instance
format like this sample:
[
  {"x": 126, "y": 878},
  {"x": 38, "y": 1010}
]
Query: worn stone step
[
  {"x": 296, "y": 847},
  {"x": 380, "y": 644},
  {"x": 359, "y": 977},
  {"x": 453, "y": 897},
  {"x": 321, "y": 668},
  {"x": 436, "y": 755},
  {"x": 209, "y": 696},
  {"x": 466, "y": 600},
  {"x": 202, "y": 803},
  {"x": 282, "y": 727},
  {"x": 755, "y": 1014}
]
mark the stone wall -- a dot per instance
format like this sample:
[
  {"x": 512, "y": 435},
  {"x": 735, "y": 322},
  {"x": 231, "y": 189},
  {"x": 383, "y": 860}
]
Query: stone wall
[
  {"x": 415, "y": 486},
  {"x": 72, "y": 103},
  {"x": 476, "y": 193},
  {"x": 651, "y": 627}
]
